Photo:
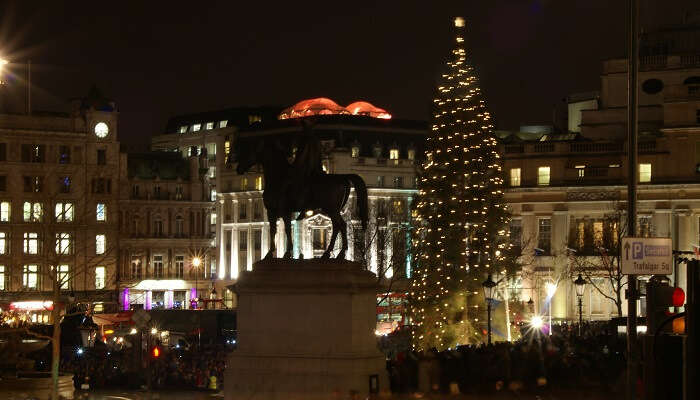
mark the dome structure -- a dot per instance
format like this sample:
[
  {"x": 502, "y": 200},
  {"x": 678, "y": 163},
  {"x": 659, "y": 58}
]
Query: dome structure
[
  {"x": 317, "y": 106},
  {"x": 326, "y": 106},
  {"x": 368, "y": 109}
]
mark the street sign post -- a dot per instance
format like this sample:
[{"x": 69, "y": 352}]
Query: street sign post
[{"x": 647, "y": 256}]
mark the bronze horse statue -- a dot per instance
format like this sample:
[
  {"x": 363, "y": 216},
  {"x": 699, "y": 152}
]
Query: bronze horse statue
[{"x": 301, "y": 186}]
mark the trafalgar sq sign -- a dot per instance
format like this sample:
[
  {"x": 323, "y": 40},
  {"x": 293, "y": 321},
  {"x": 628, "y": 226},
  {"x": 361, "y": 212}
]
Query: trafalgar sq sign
[{"x": 647, "y": 256}]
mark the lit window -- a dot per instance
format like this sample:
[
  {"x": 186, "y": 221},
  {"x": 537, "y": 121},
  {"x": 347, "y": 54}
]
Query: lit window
[
  {"x": 515, "y": 177},
  {"x": 253, "y": 119},
  {"x": 212, "y": 195},
  {"x": 5, "y": 211},
  {"x": 580, "y": 171},
  {"x": 227, "y": 148},
  {"x": 543, "y": 176},
  {"x": 210, "y": 125},
  {"x": 644, "y": 172},
  {"x": 183, "y": 129},
  {"x": 30, "y": 276},
  {"x": 196, "y": 127},
  {"x": 31, "y": 243},
  {"x": 258, "y": 183},
  {"x": 212, "y": 172},
  {"x": 544, "y": 235},
  {"x": 101, "y": 212},
  {"x": 355, "y": 151},
  {"x": 222, "y": 124},
  {"x": 100, "y": 277},
  {"x": 64, "y": 212},
  {"x": 100, "y": 243},
  {"x": 33, "y": 212},
  {"x": 394, "y": 154},
  {"x": 63, "y": 276},
  {"x": 244, "y": 184},
  {"x": 411, "y": 154},
  {"x": 63, "y": 243},
  {"x": 211, "y": 149},
  {"x": 3, "y": 242},
  {"x": 2, "y": 277},
  {"x": 213, "y": 219}
]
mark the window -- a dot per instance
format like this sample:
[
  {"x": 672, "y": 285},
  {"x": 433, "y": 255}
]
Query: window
[
  {"x": 644, "y": 173},
  {"x": 158, "y": 266},
  {"x": 31, "y": 243},
  {"x": 212, "y": 172},
  {"x": 397, "y": 210},
  {"x": 178, "y": 192},
  {"x": 377, "y": 150},
  {"x": 380, "y": 181},
  {"x": 543, "y": 176},
  {"x": 516, "y": 234},
  {"x": 32, "y": 184},
  {"x": 515, "y": 177},
  {"x": 243, "y": 210},
  {"x": 411, "y": 154},
  {"x": 212, "y": 195},
  {"x": 253, "y": 119},
  {"x": 100, "y": 277},
  {"x": 64, "y": 154},
  {"x": 179, "y": 266},
  {"x": 210, "y": 125},
  {"x": 136, "y": 267},
  {"x": 3, "y": 243},
  {"x": 179, "y": 226},
  {"x": 2, "y": 277},
  {"x": 183, "y": 129},
  {"x": 394, "y": 154},
  {"x": 243, "y": 241},
  {"x": 101, "y": 212},
  {"x": 30, "y": 276},
  {"x": 156, "y": 192},
  {"x": 64, "y": 212},
  {"x": 211, "y": 149},
  {"x": 258, "y": 183},
  {"x": 398, "y": 182},
  {"x": 63, "y": 276},
  {"x": 158, "y": 227},
  {"x": 212, "y": 219},
  {"x": 5, "y": 207},
  {"x": 100, "y": 243},
  {"x": 101, "y": 157},
  {"x": 222, "y": 124},
  {"x": 644, "y": 227},
  {"x": 101, "y": 185},
  {"x": 3, "y": 183},
  {"x": 64, "y": 243},
  {"x": 319, "y": 239},
  {"x": 257, "y": 240},
  {"x": 64, "y": 184},
  {"x": 135, "y": 191},
  {"x": 257, "y": 210},
  {"x": 580, "y": 171},
  {"x": 544, "y": 235},
  {"x": 227, "y": 149},
  {"x": 33, "y": 212},
  {"x": 244, "y": 184},
  {"x": 196, "y": 127},
  {"x": 355, "y": 151},
  {"x": 33, "y": 153}
]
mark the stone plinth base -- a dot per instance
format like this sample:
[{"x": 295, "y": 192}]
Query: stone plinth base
[{"x": 305, "y": 331}]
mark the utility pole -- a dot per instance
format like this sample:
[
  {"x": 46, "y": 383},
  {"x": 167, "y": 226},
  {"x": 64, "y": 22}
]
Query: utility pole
[{"x": 632, "y": 88}]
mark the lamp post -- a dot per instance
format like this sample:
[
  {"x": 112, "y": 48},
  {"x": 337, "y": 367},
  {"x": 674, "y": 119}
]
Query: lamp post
[
  {"x": 196, "y": 262},
  {"x": 489, "y": 286},
  {"x": 580, "y": 286}
]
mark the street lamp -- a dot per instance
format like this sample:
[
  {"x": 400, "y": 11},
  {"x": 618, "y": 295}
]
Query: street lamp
[
  {"x": 196, "y": 262},
  {"x": 580, "y": 287},
  {"x": 489, "y": 286},
  {"x": 2, "y": 64}
]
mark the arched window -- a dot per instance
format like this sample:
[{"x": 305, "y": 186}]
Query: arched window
[
  {"x": 158, "y": 226},
  {"x": 179, "y": 226}
]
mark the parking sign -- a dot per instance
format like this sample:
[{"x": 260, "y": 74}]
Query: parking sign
[{"x": 647, "y": 256}]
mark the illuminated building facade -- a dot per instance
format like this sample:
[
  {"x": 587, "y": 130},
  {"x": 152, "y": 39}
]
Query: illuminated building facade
[
  {"x": 59, "y": 206},
  {"x": 563, "y": 185},
  {"x": 165, "y": 233}
]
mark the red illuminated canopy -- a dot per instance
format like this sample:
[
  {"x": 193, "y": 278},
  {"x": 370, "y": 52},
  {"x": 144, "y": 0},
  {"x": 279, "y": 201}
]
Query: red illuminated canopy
[{"x": 325, "y": 106}]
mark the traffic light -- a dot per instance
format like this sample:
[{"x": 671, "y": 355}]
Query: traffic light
[
  {"x": 155, "y": 352},
  {"x": 660, "y": 297}
]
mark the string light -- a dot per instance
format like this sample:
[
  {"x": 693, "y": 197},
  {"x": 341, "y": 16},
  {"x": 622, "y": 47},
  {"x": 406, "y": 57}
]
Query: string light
[{"x": 461, "y": 219}]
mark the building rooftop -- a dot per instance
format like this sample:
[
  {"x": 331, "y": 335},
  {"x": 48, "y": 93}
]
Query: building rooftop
[
  {"x": 158, "y": 164},
  {"x": 239, "y": 117}
]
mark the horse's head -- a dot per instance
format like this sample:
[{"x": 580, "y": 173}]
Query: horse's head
[{"x": 247, "y": 154}]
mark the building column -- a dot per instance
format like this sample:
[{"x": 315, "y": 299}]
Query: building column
[
  {"x": 249, "y": 252},
  {"x": 686, "y": 239},
  {"x": 222, "y": 249},
  {"x": 264, "y": 240},
  {"x": 234, "y": 254}
]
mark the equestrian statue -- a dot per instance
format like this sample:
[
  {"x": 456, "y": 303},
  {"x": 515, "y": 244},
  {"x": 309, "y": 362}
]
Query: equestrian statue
[{"x": 299, "y": 186}]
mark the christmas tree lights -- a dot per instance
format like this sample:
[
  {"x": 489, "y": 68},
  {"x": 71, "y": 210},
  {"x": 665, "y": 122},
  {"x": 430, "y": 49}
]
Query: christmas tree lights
[{"x": 461, "y": 219}]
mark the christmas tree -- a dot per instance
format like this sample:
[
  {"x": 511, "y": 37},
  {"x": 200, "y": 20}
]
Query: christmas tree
[{"x": 461, "y": 219}]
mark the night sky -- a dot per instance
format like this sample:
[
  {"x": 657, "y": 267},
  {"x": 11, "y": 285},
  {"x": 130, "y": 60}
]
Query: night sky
[{"x": 164, "y": 59}]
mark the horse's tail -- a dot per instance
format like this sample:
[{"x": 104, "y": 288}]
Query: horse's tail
[{"x": 361, "y": 195}]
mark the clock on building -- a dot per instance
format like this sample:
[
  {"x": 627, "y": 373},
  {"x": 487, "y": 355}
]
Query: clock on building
[{"x": 101, "y": 130}]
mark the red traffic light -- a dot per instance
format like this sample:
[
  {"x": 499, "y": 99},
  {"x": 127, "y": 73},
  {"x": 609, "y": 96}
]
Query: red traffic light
[
  {"x": 155, "y": 352},
  {"x": 678, "y": 297}
]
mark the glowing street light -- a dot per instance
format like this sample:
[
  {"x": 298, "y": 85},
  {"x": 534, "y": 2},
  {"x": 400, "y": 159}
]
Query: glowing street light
[
  {"x": 536, "y": 322},
  {"x": 196, "y": 262},
  {"x": 2, "y": 64}
]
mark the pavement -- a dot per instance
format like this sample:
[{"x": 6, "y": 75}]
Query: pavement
[{"x": 143, "y": 395}]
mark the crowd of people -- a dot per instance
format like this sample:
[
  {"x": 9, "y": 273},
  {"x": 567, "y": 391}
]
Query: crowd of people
[
  {"x": 174, "y": 368},
  {"x": 593, "y": 360}
]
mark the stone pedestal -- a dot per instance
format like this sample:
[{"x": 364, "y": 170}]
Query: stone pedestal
[{"x": 305, "y": 331}]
